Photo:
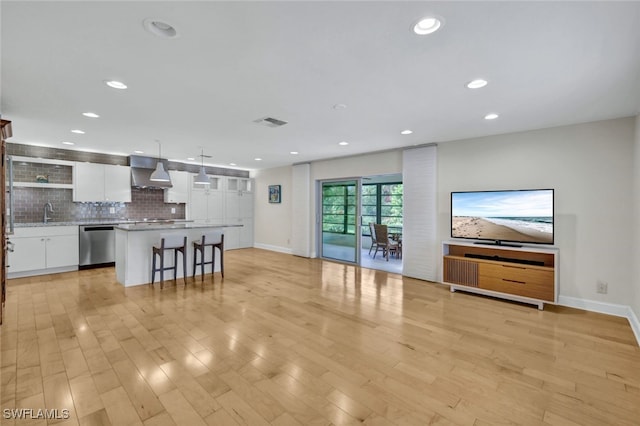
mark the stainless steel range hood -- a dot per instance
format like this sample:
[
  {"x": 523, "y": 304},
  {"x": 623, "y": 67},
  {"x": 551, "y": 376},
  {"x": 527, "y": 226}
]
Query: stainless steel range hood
[
  {"x": 141, "y": 178},
  {"x": 141, "y": 169}
]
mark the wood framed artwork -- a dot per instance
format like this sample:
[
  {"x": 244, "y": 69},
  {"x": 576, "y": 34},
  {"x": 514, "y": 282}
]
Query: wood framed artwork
[{"x": 274, "y": 193}]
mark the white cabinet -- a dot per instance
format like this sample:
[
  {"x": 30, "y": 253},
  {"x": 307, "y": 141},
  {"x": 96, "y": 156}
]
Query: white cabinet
[
  {"x": 45, "y": 249},
  {"x": 179, "y": 192},
  {"x": 239, "y": 211},
  {"x": 207, "y": 202},
  {"x": 227, "y": 200},
  {"x": 101, "y": 182},
  {"x": 239, "y": 184},
  {"x": 117, "y": 183}
]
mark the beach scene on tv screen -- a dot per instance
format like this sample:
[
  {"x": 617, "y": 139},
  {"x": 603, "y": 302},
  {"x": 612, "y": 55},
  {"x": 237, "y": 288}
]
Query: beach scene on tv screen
[{"x": 523, "y": 216}]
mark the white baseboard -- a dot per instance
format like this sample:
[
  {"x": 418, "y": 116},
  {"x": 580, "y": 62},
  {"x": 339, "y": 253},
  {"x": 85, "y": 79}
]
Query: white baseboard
[
  {"x": 635, "y": 324},
  {"x": 624, "y": 311},
  {"x": 279, "y": 249}
]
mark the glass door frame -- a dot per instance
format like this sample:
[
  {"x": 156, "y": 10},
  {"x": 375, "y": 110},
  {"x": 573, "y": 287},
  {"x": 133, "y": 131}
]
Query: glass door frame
[{"x": 320, "y": 214}]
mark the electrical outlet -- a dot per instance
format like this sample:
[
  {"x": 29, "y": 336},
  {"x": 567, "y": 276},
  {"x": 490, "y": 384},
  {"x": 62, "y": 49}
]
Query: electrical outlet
[
  {"x": 602, "y": 287},
  {"x": 112, "y": 210},
  {"x": 173, "y": 210}
]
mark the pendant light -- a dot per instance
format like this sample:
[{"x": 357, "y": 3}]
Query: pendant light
[
  {"x": 202, "y": 178},
  {"x": 160, "y": 174}
]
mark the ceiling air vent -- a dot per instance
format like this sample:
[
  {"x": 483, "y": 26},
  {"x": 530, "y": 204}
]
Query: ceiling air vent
[{"x": 270, "y": 122}]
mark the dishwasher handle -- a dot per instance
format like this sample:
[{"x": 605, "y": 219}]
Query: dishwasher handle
[{"x": 97, "y": 228}]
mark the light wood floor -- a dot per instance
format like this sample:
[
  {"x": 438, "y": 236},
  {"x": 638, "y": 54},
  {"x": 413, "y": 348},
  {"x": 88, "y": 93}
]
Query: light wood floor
[{"x": 291, "y": 341}]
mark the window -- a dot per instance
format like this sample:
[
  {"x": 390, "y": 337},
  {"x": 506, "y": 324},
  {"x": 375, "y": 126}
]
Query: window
[
  {"x": 382, "y": 203},
  {"x": 339, "y": 205}
]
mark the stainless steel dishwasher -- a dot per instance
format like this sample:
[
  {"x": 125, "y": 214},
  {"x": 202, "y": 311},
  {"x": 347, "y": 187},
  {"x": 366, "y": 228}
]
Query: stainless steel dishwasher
[{"x": 97, "y": 245}]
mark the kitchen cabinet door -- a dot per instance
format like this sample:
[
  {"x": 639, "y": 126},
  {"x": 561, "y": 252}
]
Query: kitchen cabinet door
[
  {"x": 215, "y": 207},
  {"x": 117, "y": 183},
  {"x": 61, "y": 251},
  {"x": 179, "y": 192},
  {"x": 28, "y": 254},
  {"x": 88, "y": 182}
]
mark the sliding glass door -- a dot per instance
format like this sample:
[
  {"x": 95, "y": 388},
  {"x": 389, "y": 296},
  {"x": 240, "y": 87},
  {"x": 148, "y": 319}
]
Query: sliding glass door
[{"x": 339, "y": 219}]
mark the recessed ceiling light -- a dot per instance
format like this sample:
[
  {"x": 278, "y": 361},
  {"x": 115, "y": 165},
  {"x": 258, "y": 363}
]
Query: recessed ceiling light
[
  {"x": 232, "y": 164},
  {"x": 406, "y": 132},
  {"x": 78, "y": 131},
  {"x": 427, "y": 25},
  {"x": 159, "y": 28},
  {"x": 476, "y": 84},
  {"x": 191, "y": 159},
  {"x": 258, "y": 159},
  {"x": 138, "y": 152},
  {"x": 68, "y": 143},
  {"x": 294, "y": 153},
  {"x": 491, "y": 116},
  {"x": 90, "y": 114},
  {"x": 339, "y": 106},
  {"x": 343, "y": 143},
  {"x": 116, "y": 84}
]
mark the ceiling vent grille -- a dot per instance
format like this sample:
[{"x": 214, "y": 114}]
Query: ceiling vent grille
[{"x": 270, "y": 122}]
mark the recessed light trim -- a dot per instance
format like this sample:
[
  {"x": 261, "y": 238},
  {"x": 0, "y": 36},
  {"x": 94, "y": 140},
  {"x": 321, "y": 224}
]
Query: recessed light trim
[
  {"x": 294, "y": 153},
  {"x": 258, "y": 159},
  {"x": 159, "y": 28},
  {"x": 138, "y": 152},
  {"x": 68, "y": 143},
  {"x": 191, "y": 159},
  {"x": 428, "y": 25},
  {"x": 232, "y": 164},
  {"x": 406, "y": 132},
  {"x": 78, "y": 131},
  {"x": 90, "y": 114},
  {"x": 343, "y": 143},
  {"x": 477, "y": 83},
  {"x": 491, "y": 116},
  {"x": 115, "y": 84}
]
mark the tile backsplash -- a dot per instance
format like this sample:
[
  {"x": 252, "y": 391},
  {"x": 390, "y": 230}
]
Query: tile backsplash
[{"x": 29, "y": 204}]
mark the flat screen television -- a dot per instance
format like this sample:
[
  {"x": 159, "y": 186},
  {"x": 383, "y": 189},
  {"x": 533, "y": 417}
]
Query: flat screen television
[{"x": 512, "y": 216}]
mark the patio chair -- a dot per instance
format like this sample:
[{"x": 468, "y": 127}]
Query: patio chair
[
  {"x": 383, "y": 241},
  {"x": 372, "y": 231}
]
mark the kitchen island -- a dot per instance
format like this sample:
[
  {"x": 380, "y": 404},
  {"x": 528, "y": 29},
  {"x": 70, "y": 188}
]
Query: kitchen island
[{"x": 134, "y": 254}]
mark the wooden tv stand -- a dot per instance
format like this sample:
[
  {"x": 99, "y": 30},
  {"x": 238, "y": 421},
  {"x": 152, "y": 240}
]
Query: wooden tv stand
[{"x": 524, "y": 274}]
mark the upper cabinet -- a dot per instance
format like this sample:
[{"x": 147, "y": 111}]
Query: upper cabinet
[
  {"x": 101, "y": 183},
  {"x": 179, "y": 192},
  {"x": 30, "y": 172},
  {"x": 239, "y": 184},
  {"x": 117, "y": 183}
]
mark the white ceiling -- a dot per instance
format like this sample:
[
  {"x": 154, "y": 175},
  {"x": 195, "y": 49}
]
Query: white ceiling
[{"x": 547, "y": 63}]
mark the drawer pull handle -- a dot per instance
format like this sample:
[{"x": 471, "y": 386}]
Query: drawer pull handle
[
  {"x": 514, "y": 281},
  {"x": 514, "y": 267}
]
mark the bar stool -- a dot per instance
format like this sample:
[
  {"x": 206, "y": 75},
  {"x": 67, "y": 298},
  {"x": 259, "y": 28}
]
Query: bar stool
[
  {"x": 211, "y": 239},
  {"x": 177, "y": 243}
]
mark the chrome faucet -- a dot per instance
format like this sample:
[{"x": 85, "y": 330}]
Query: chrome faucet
[{"x": 47, "y": 205}]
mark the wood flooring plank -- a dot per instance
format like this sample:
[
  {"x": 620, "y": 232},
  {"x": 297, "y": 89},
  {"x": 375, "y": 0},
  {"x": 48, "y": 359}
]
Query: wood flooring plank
[{"x": 286, "y": 340}]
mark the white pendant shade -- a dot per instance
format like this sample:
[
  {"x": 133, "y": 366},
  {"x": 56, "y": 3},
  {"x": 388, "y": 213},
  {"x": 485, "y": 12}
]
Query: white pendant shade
[
  {"x": 160, "y": 174},
  {"x": 202, "y": 178}
]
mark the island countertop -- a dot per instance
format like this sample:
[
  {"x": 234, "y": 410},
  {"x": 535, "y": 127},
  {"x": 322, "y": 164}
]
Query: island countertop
[{"x": 151, "y": 226}]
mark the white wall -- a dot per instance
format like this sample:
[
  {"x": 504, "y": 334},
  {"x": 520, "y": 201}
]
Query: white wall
[
  {"x": 272, "y": 223},
  {"x": 635, "y": 274},
  {"x": 590, "y": 167}
]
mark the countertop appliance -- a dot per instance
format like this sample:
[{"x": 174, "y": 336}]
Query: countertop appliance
[{"x": 97, "y": 246}]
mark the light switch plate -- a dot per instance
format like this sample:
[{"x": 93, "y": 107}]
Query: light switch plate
[
  {"x": 173, "y": 210},
  {"x": 112, "y": 210}
]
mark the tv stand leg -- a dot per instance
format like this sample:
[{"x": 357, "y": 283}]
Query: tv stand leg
[
  {"x": 451, "y": 289},
  {"x": 541, "y": 306}
]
